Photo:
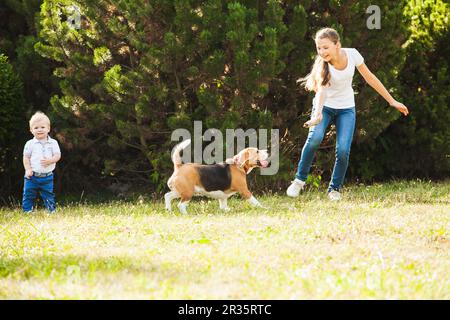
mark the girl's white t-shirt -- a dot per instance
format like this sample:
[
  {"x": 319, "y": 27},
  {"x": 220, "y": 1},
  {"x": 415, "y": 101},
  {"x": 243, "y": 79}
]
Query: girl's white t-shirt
[{"x": 339, "y": 92}]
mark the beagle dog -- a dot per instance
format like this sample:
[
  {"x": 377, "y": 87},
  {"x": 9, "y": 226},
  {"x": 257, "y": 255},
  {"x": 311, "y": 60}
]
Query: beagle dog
[{"x": 219, "y": 181}]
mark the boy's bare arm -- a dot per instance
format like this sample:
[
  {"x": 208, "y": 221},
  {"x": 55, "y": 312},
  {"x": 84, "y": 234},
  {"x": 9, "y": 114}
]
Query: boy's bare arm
[{"x": 27, "y": 166}]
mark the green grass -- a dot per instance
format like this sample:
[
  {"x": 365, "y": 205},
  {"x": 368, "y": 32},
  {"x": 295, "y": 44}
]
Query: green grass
[{"x": 381, "y": 242}]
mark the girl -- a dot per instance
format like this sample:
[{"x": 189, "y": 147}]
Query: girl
[{"x": 331, "y": 78}]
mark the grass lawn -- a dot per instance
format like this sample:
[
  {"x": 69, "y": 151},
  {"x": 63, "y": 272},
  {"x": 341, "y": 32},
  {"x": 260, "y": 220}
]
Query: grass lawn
[{"x": 385, "y": 241}]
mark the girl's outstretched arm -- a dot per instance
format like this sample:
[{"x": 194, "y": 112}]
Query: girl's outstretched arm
[{"x": 375, "y": 83}]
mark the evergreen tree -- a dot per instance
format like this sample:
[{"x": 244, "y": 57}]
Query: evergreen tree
[{"x": 132, "y": 64}]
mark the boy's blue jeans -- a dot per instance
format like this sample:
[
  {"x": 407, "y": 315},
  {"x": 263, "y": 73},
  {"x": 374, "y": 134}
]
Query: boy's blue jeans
[
  {"x": 344, "y": 120},
  {"x": 33, "y": 186}
]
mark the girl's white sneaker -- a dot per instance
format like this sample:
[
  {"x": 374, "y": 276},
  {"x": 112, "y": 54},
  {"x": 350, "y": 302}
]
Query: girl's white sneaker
[
  {"x": 294, "y": 189},
  {"x": 334, "y": 195}
]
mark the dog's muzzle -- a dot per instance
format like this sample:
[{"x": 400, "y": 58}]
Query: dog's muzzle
[{"x": 262, "y": 163}]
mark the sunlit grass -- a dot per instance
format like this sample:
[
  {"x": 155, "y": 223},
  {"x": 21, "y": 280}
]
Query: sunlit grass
[{"x": 381, "y": 242}]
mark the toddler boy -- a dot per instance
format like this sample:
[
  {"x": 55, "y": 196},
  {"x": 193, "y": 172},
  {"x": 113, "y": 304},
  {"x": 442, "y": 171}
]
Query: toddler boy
[{"x": 40, "y": 155}]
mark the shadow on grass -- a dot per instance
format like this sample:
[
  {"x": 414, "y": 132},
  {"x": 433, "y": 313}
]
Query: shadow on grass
[
  {"x": 66, "y": 267},
  {"x": 389, "y": 193}
]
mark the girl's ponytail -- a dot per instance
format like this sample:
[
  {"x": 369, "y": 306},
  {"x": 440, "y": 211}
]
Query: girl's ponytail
[
  {"x": 325, "y": 73},
  {"x": 318, "y": 77}
]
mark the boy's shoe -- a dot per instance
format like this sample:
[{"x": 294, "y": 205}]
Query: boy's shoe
[
  {"x": 52, "y": 212},
  {"x": 28, "y": 212},
  {"x": 334, "y": 195},
  {"x": 294, "y": 189}
]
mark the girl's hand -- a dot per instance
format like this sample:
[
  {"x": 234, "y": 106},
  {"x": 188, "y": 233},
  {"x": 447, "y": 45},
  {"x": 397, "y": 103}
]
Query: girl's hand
[
  {"x": 314, "y": 121},
  {"x": 400, "y": 107}
]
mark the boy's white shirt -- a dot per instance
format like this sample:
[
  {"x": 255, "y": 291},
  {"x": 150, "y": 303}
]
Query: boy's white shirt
[
  {"x": 37, "y": 150},
  {"x": 339, "y": 93}
]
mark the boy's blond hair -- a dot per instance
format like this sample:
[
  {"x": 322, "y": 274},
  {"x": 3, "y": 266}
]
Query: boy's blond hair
[{"x": 39, "y": 116}]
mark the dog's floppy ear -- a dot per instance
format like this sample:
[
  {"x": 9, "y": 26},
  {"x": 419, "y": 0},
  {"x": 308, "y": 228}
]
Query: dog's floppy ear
[{"x": 243, "y": 157}]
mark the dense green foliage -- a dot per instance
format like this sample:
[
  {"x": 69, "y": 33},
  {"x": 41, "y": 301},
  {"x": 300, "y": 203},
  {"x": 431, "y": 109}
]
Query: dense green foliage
[
  {"x": 419, "y": 145},
  {"x": 11, "y": 100},
  {"x": 12, "y": 120},
  {"x": 18, "y": 35},
  {"x": 132, "y": 71}
]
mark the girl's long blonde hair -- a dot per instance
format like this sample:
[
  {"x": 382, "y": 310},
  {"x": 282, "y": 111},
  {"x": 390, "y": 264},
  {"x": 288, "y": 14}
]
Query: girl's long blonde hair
[{"x": 320, "y": 72}]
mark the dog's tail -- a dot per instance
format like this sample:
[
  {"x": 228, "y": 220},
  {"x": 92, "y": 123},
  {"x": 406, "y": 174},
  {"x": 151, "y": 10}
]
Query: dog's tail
[{"x": 176, "y": 158}]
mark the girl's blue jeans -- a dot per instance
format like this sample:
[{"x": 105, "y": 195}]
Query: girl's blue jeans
[
  {"x": 344, "y": 120},
  {"x": 33, "y": 186}
]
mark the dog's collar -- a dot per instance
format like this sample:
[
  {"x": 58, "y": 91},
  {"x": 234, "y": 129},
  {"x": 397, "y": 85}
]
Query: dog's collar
[{"x": 235, "y": 160}]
